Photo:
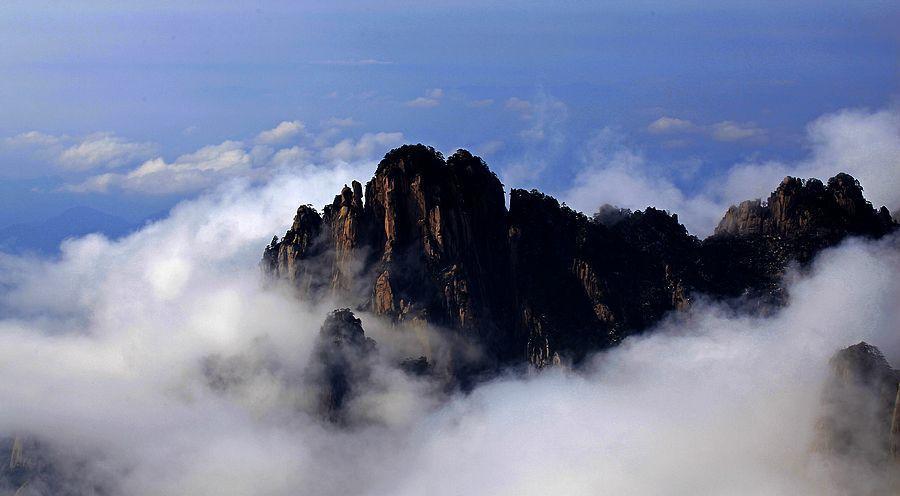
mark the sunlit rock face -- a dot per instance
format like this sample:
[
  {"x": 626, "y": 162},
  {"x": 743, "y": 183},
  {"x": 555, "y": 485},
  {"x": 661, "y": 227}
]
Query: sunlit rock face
[
  {"x": 296, "y": 257},
  {"x": 430, "y": 240},
  {"x": 860, "y": 407},
  {"x": 438, "y": 240}
]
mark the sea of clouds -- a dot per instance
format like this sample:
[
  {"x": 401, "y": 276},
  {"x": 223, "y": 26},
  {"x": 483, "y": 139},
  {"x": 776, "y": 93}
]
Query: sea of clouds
[{"x": 102, "y": 353}]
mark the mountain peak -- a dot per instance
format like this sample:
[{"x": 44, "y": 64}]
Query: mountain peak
[
  {"x": 411, "y": 159},
  {"x": 429, "y": 240}
]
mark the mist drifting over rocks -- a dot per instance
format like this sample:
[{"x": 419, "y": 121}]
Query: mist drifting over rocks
[{"x": 165, "y": 363}]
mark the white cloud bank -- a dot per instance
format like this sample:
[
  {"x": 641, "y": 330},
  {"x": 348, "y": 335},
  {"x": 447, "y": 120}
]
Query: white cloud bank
[
  {"x": 104, "y": 150},
  {"x": 863, "y": 143},
  {"x": 710, "y": 404},
  {"x": 95, "y": 151},
  {"x": 189, "y": 172}
]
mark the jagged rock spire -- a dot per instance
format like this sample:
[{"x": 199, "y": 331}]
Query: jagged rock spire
[{"x": 340, "y": 364}]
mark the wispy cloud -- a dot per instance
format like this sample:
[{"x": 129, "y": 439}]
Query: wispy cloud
[
  {"x": 542, "y": 139},
  {"x": 280, "y": 133},
  {"x": 32, "y": 138},
  {"x": 348, "y": 150},
  {"x": 104, "y": 150},
  {"x": 431, "y": 99},
  {"x": 423, "y": 102},
  {"x": 737, "y": 131},
  {"x": 490, "y": 147},
  {"x": 523, "y": 107},
  {"x": 255, "y": 160},
  {"x": 546, "y": 115},
  {"x": 190, "y": 172},
  {"x": 96, "y": 151},
  {"x": 728, "y": 131},
  {"x": 670, "y": 125}
]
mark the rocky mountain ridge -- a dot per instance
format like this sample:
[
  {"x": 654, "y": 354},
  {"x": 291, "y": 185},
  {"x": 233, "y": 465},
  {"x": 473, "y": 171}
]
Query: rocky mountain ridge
[{"x": 432, "y": 242}]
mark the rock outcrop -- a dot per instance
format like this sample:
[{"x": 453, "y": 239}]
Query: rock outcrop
[
  {"x": 580, "y": 285},
  {"x": 340, "y": 364},
  {"x": 809, "y": 211},
  {"x": 428, "y": 244},
  {"x": 861, "y": 407},
  {"x": 429, "y": 240},
  {"x": 755, "y": 241}
]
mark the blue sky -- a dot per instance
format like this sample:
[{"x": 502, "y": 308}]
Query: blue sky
[{"x": 96, "y": 90}]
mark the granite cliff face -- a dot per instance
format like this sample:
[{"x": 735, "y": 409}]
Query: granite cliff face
[
  {"x": 580, "y": 285},
  {"x": 431, "y": 241},
  {"x": 428, "y": 244}
]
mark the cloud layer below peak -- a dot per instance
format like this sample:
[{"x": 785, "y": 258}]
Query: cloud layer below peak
[{"x": 707, "y": 403}]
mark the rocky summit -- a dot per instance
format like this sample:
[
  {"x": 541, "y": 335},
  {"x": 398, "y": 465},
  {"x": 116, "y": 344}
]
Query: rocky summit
[
  {"x": 430, "y": 240},
  {"x": 755, "y": 241}
]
